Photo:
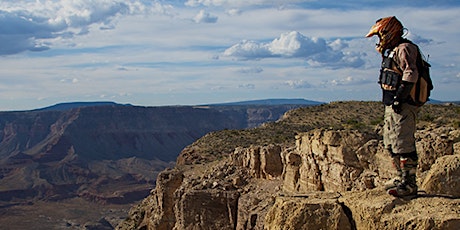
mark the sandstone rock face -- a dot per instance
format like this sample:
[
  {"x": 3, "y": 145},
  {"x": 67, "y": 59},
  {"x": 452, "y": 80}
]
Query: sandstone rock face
[
  {"x": 263, "y": 162},
  {"x": 163, "y": 199},
  {"x": 312, "y": 213},
  {"x": 207, "y": 209},
  {"x": 330, "y": 179},
  {"x": 330, "y": 161},
  {"x": 373, "y": 209},
  {"x": 326, "y": 160},
  {"x": 440, "y": 144},
  {"x": 444, "y": 177}
]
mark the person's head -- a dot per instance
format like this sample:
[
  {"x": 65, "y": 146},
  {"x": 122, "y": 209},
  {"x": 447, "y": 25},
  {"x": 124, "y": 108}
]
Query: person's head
[{"x": 389, "y": 30}]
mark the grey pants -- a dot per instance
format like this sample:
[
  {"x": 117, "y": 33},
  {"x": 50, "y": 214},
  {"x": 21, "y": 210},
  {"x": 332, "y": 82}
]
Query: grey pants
[{"x": 399, "y": 129}]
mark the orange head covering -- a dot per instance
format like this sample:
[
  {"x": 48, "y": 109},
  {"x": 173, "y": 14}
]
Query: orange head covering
[{"x": 389, "y": 30}]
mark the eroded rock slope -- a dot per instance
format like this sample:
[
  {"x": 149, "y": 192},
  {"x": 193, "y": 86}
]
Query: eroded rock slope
[
  {"x": 317, "y": 168},
  {"x": 107, "y": 153}
]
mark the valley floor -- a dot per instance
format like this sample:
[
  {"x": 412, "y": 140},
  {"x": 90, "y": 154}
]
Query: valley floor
[{"x": 69, "y": 214}]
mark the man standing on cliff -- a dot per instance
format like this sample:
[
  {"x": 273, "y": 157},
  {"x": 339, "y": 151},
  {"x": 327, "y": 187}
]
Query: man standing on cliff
[{"x": 397, "y": 77}]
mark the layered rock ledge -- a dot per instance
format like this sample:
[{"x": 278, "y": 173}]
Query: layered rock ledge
[{"x": 328, "y": 179}]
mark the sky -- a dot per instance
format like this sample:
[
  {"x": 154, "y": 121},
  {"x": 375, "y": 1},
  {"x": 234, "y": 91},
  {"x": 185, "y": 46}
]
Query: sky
[{"x": 194, "y": 52}]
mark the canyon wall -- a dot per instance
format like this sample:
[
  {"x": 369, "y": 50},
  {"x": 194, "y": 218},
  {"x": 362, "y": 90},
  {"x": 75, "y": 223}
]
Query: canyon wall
[
  {"x": 105, "y": 153},
  {"x": 326, "y": 179}
]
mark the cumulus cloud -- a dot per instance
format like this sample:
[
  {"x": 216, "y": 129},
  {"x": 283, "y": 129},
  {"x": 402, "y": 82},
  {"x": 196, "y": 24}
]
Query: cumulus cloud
[
  {"x": 25, "y": 24},
  {"x": 312, "y": 3},
  {"x": 348, "y": 80},
  {"x": 234, "y": 12},
  {"x": 205, "y": 17},
  {"x": 248, "y": 50},
  {"x": 317, "y": 51},
  {"x": 344, "y": 81},
  {"x": 68, "y": 80},
  {"x": 338, "y": 44},
  {"x": 294, "y": 44},
  {"x": 238, "y": 3},
  {"x": 298, "y": 84},
  {"x": 247, "y": 86},
  {"x": 251, "y": 70},
  {"x": 17, "y": 33}
]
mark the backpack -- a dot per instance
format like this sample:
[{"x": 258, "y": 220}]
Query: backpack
[{"x": 422, "y": 89}]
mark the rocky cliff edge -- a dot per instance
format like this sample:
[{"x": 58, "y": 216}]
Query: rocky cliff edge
[{"x": 328, "y": 177}]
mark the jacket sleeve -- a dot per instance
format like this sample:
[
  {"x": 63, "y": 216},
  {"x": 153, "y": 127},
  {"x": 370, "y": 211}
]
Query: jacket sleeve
[{"x": 406, "y": 59}]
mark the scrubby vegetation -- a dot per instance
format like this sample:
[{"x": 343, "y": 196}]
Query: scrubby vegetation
[{"x": 357, "y": 115}]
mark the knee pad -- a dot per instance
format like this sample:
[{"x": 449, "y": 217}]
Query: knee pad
[{"x": 412, "y": 156}]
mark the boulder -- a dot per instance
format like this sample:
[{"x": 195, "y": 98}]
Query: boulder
[
  {"x": 444, "y": 177},
  {"x": 374, "y": 209},
  {"x": 207, "y": 209},
  {"x": 312, "y": 213}
]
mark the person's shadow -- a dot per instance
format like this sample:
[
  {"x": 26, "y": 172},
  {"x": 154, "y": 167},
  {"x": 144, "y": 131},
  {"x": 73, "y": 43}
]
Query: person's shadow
[{"x": 424, "y": 194}]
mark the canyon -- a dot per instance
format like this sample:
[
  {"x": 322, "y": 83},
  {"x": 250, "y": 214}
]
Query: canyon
[{"x": 82, "y": 165}]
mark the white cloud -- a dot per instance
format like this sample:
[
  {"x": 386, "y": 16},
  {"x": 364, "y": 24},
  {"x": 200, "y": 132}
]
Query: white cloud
[
  {"x": 313, "y": 3},
  {"x": 348, "y": 81},
  {"x": 251, "y": 70},
  {"x": 291, "y": 44},
  {"x": 247, "y": 86},
  {"x": 205, "y": 17},
  {"x": 233, "y": 3},
  {"x": 25, "y": 23},
  {"x": 316, "y": 51},
  {"x": 248, "y": 50},
  {"x": 156, "y": 54},
  {"x": 294, "y": 44},
  {"x": 338, "y": 44},
  {"x": 298, "y": 84},
  {"x": 234, "y": 12}
]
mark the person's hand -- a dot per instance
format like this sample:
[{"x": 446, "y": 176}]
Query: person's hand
[{"x": 397, "y": 106}]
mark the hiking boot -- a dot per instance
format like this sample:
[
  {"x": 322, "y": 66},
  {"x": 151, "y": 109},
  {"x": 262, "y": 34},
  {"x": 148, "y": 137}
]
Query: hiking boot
[
  {"x": 407, "y": 187},
  {"x": 396, "y": 161},
  {"x": 404, "y": 190},
  {"x": 393, "y": 183}
]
